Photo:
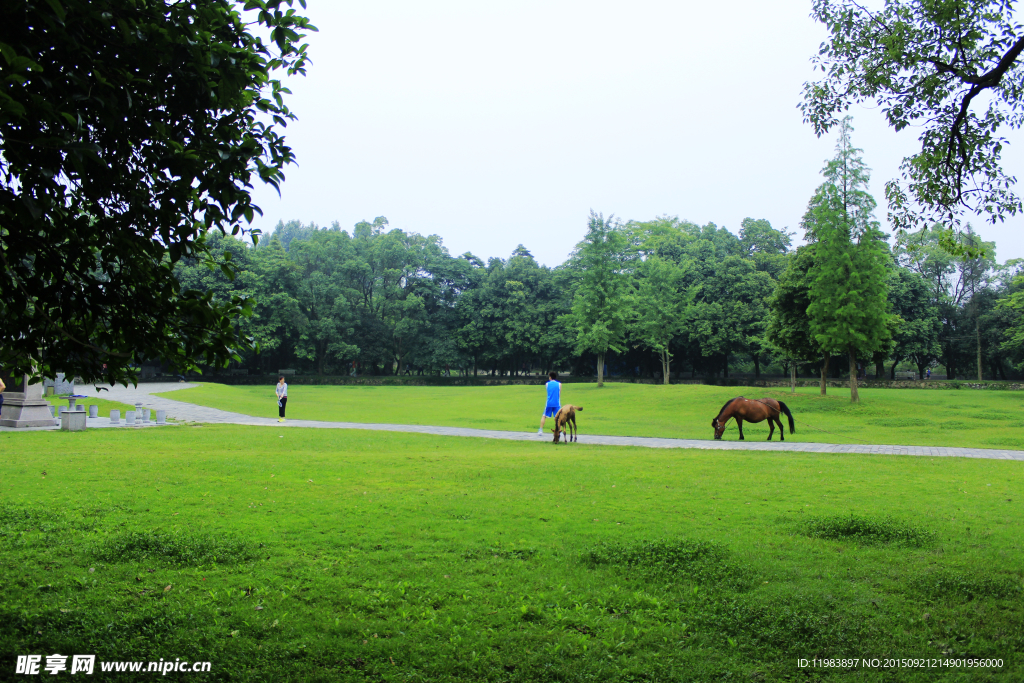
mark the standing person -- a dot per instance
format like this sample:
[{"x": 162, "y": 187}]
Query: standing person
[
  {"x": 2, "y": 387},
  {"x": 282, "y": 397},
  {"x": 928, "y": 373},
  {"x": 554, "y": 400}
]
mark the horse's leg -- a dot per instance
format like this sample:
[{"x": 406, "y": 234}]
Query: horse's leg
[
  {"x": 771, "y": 427},
  {"x": 575, "y": 430},
  {"x": 739, "y": 424},
  {"x": 782, "y": 430}
]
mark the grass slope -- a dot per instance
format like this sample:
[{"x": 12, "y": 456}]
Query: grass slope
[
  {"x": 916, "y": 417},
  {"x": 313, "y": 555}
]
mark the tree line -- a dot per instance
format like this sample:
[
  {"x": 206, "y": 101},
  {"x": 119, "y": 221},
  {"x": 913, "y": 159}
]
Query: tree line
[{"x": 660, "y": 298}]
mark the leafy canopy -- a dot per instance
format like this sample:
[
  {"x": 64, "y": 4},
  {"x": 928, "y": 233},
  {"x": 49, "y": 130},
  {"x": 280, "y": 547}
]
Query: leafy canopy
[
  {"x": 948, "y": 67},
  {"x": 599, "y": 315},
  {"x": 128, "y": 130}
]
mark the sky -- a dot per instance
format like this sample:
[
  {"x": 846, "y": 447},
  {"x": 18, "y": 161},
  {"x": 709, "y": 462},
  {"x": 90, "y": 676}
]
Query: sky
[{"x": 494, "y": 124}]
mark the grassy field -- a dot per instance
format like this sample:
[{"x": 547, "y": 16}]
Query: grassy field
[
  {"x": 321, "y": 555},
  {"x": 918, "y": 417}
]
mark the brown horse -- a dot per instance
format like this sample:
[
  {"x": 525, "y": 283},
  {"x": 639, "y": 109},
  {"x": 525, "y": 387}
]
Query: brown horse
[
  {"x": 742, "y": 409},
  {"x": 565, "y": 421}
]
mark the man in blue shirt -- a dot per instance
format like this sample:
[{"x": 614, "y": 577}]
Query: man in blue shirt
[{"x": 554, "y": 400}]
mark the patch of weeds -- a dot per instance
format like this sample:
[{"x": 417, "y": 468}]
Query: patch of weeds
[
  {"x": 942, "y": 584},
  {"x": 995, "y": 415},
  {"x": 501, "y": 551},
  {"x": 824, "y": 405},
  {"x": 953, "y": 424},
  {"x": 903, "y": 422},
  {"x": 788, "y": 625},
  {"x": 178, "y": 548},
  {"x": 867, "y": 530},
  {"x": 531, "y": 613},
  {"x": 15, "y": 518},
  {"x": 16, "y": 522},
  {"x": 703, "y": 562}
]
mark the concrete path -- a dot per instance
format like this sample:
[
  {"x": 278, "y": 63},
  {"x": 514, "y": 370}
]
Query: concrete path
[{"x": 192, "y": 413}]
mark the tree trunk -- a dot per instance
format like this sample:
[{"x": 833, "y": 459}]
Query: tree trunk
[
  {"x": 600, "y": 369},
  {"x": 757, "y": 366},
  {"x": 824, "y": 373},
  {"x": 854, "y": 396},
  {"x": 879, "y": 367},
  {"x": 977, "y": 333},
  {"x": 892, "y": 369},
  {"x": 792, "y": 379},
  {"x": 920, "y": 370},
  {"x": 725, "y": 365},
  {"x": 666, "y": 364}
]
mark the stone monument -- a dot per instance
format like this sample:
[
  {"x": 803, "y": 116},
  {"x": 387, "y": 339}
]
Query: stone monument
[
  {"x": 24, "y": 406},
  {"x": 60, "y": 385}
]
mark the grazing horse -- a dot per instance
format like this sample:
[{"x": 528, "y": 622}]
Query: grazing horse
[
  {"x": 565, "y": 421},
  {"x": 753, "y": 411}
]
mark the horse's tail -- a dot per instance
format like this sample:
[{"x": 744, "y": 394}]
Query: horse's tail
[
  {"x": 579, "y": 408},
  {"x": 785, "y": 409}
]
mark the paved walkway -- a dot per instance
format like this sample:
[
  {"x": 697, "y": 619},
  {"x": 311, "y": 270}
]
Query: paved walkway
[{"x": 190, "y": 412}]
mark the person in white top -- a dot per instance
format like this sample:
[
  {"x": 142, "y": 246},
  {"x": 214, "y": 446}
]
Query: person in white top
[{"x": 282, "y": 397}]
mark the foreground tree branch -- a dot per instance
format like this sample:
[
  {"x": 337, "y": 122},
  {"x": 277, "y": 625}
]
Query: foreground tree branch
[
  {"x": 128, "y": 130},
  {"x": 927, "y": 64}
]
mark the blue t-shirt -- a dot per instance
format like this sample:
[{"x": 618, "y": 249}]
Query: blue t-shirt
[{"x": 553, "y": 394}]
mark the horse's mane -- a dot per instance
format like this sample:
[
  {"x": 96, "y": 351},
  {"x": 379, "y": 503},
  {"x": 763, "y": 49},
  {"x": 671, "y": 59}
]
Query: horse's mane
[{"x": 726, "y": 406}]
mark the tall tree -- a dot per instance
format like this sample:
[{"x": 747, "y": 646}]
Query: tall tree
[
  {"x": 127, "y": 130},
  {"x": 730, "y": 310},
  {"x": 954, "y": 280},
  {"x": 765, "y": 246},
  {"x": 323, "y": 297},
  {"x": 659, "y": 307},
  {"x": 599, "y": 315},
  {"x": 789, "y": 327},
  {"x": 917, "y": 326},
  {"x": 849, "y": 280},
  {"x": 950, "y": 69}
]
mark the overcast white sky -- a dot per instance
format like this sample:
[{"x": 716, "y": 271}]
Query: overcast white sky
[{"x": 498, "y": 123}]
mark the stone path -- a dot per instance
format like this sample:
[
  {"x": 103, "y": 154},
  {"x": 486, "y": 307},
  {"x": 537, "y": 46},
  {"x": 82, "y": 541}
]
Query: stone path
[{"x": 190, "y": 412}]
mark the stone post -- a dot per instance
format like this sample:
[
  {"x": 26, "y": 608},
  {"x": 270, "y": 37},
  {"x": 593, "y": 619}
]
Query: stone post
[
  {"x": 129, "y": 417},
  {"x": 115, "y": 417},
  {"x": 94, "y": 411},
  {"x": 161, "y": 417},
  {"x": 73, "y": 421},
  {"x": 24, "y": 406}
]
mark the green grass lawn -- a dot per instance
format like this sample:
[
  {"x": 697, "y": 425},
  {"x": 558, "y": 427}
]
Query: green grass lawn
[
  {"x": 323, "y": 555},
  {"x": 918, "y": 417}
]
